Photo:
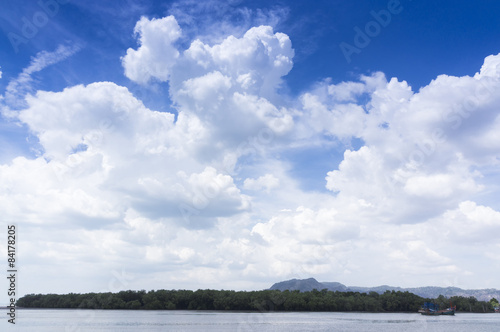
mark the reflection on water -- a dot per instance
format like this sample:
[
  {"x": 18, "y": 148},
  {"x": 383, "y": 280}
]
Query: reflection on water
[{"x": 125, "y": 320}]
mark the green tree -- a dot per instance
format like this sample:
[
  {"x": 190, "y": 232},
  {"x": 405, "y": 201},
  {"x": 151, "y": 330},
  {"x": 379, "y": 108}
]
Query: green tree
[{"x": 134, "y": 304}]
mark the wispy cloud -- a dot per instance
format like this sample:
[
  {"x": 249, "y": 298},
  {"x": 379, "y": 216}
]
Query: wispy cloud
[
  {"x": 19, "y": 87},
  {"x": 213, "y": 20}
]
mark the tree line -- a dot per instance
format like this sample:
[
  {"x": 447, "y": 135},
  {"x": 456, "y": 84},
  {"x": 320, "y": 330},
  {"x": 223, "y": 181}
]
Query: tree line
[{"x": 263, "y": 301}]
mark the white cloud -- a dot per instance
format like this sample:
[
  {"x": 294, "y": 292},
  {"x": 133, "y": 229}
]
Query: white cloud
[
  {"x": 104, "y": 151},
  {"x": 257, "y": 61},
  {"x": 156, "y": 53},
  {"x": 472, "y": 224},
  {"x": 438, "y": 186},
  {"x": 423, "y": 152},
  {"x": 96, "y": 116},
  {"x": 490, "y": 68},
  {"x": 267, "y": 182},
  {"x": 230, "y": 85},
  {"x": 161, "y": 194},
  {"x": 209, "y": 88},
  {"x": 346, "y": 91},
  {"x": 214, "y": 193},
  {"x": 278, "y": 120},
  {"x": 307, "y": 226},
  {"x": 343, "y": 121},
  {"x": 18, "y": 88}
]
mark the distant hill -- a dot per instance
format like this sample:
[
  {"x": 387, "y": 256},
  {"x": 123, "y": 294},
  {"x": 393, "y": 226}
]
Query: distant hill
[
  {"x": 307, "y": 285},
  {"x": 303, "y": 285}
]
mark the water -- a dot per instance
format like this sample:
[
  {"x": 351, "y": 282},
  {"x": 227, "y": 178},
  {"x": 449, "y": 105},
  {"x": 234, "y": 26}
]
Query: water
[{"x": 42, "y": 320}]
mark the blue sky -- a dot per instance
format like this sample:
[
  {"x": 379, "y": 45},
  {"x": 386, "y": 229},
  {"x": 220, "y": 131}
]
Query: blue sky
[
  {"x": 233, "y": 144},
  {"x": 437, "y": 38}
]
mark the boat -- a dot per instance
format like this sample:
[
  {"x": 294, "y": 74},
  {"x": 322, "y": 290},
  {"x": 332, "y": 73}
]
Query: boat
[{"x": 431, "y": 309}]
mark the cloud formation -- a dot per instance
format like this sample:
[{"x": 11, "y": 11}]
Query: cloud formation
[
  {"x": 156, "y": 54},
  {"x": 17, "y": 88},
  {"x": 207, "y": 193}
]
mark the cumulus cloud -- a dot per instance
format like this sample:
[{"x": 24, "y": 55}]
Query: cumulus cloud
[
  {"x": 421, "y": 160},
  {"x": 230, "y": 85},
  {"x": 156, "y": 53},
  {"x": 267, "y": 182},
  {"x": 260, "y": 53},
  {"x": 306, "y": 225},
  {"x": 104, "y": 152},
  {"x": 210, "y": 193},
  {"x": 255, "y": 62},
  {"x": 420, "y": 149},
  {"x": 343, "y": 121},
  {"x": 472, "y": 224},
  {"x": 305, "y": 242}
]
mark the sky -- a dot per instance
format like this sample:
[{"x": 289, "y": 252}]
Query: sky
[{"x": 235, "y": 144}]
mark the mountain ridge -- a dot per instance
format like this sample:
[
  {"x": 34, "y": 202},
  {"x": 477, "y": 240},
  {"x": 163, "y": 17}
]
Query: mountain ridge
[{"x": 306, "y": 285}]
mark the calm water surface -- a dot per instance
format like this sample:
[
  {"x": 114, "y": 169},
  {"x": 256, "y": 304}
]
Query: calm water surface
[{"x": 122, "y": 320}]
